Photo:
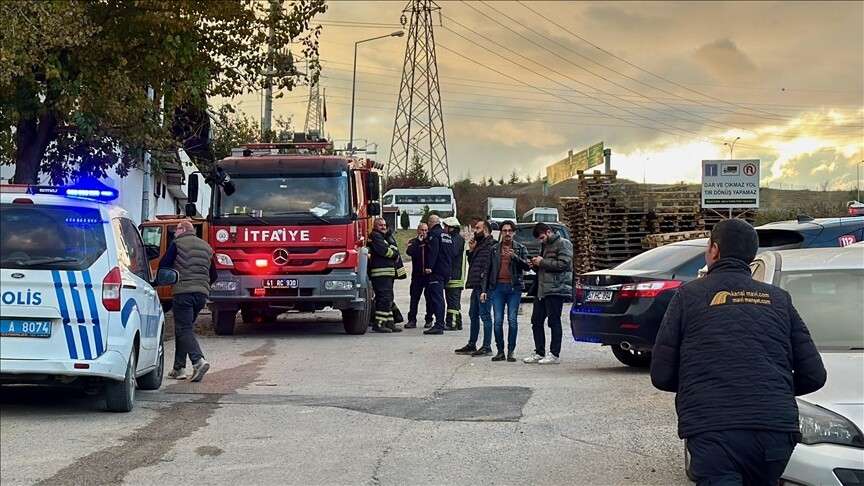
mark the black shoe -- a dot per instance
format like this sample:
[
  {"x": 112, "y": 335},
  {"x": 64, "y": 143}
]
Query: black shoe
[
  {"x": 428, "y": 324},
  {"x": 466, "y": 350},
  {"x": 482, "y": 352},
  {"x": 499, "y": 356},
  {"x": 433, "y": 330},
  {"x": 458, "y": 327},
  {"x": 381, "y": 329},
  {"x": 393, "y": 327},
  {"x": 411, "y": 325},
  {"x": 449, "y": 328},
  {"x": 510, "y": 358}
]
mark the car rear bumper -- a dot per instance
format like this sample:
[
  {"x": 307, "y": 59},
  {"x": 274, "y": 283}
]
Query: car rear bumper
[
  {"x": 815, "y": 464},
  {"x": 613, "y": 329},
  {"x": 111, "y": 365},
  {"x": 237, "y": 290}
]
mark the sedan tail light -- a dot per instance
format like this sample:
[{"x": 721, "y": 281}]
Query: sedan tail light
[
  {"x": 577, "y": 290},
  {"x": 647, "y": 290},
  {"x": 111, "y": 285}
]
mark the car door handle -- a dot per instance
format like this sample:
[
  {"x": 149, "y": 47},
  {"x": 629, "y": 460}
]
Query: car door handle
[{"x": 130, "y": 286}]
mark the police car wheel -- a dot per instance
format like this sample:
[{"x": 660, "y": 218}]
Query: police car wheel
[
  {"x": 120, "y": 395},
  {"x": 153, "y": 380}
]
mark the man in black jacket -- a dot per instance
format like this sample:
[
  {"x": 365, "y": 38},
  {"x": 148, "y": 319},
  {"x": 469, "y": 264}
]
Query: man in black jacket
[
  {"x": 453, "y": 288},
  {"x": 504, "y": 285},
  {"x": 479, "y": 266},
  {"x": 418, "y": 250},
  {"x": 737, "y": 354},
  {"x": 382, "y": 264},
  {"x": 438, "y": 268}
]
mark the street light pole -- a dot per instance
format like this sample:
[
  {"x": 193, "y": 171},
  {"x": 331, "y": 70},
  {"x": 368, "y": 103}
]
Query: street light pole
[
  {"x": 858, "y": 180},
  {"x": 398, "y": 33},
  {"x": 731, "y": 146}
]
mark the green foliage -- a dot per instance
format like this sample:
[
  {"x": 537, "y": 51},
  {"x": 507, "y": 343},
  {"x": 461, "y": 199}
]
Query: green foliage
[
  {"x": 231, "y": 129},
  {"x": 74, "y": 75},
  {"x": 426, "y": 214},
  {"x": 404, "y": 220},
  {"x": 514, "y": 177},
  {"x": 415, "y": 177}
]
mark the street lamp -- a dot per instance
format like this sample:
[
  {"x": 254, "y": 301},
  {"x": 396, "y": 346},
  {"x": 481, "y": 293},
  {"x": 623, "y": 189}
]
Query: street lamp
[
  {"x": 398, "y": 33},
  {"x": 731, "y": 145},
  {"x": 858, "y": 179}
]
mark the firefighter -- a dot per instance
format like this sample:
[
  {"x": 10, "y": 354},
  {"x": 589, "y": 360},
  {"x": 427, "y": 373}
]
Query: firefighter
[
  {"x": 453, "y": 288},
  {"x": 384, "y": 257}
]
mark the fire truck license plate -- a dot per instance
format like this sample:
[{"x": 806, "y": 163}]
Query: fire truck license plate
[{"x": 281, "y": 283}]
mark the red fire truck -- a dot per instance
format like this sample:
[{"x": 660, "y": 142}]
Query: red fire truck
[{"x": 288, "y": 226}]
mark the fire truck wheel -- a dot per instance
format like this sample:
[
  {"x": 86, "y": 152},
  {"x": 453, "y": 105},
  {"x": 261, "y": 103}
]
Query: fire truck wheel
[
  {"x": 223, "y": 322},
  {"x": 357, "y": 321}
]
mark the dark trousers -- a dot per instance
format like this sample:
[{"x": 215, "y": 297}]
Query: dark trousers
[
  {"x": 736, "y": 457},
  {"x": 476, "y": 312},
  {"x": 547, "y": 309},
  {"x": 186, "y": 308},
  {"x": 453, "y": 295},
  {"x": 383, "y": 287},
  {"x": 435, "y": 299},
  {"x": 418, "y": 284}
]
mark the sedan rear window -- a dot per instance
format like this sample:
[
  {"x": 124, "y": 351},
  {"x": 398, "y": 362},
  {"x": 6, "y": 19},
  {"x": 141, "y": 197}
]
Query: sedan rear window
[
  {"x": 830, "y": 304},
  {"x": 666, "y": 258},
  {"x": 50, "y": 237}
]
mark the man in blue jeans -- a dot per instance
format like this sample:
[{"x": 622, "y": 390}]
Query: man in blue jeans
[
  {"x": 505, "y": 282},
  {"x": 554, "y": 284},
  {"x": 479, "y": 266}
]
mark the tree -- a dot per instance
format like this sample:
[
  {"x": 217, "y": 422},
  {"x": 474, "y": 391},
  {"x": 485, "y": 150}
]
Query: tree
[
  {"x": 490, "y": 182},
  {"x": 426, "y": 214},
  {"x": 514, "y": 177},
  {"x": 529, "y": 179},
  {"x": 232, "y": 129},
  {"x": 404, "y": 220},
  {"x": 501, "y": 181},
  {"x": 82, "y": 82}
]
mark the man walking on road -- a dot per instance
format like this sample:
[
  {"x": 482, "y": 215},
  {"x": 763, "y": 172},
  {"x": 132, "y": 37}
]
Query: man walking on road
[
  {"x": 554, "y": 269},
  {"x": 453, "y": 288},
  {"x": 479, "y": 266},
  {"x": 383, "y": 273},
  {"x": 418, "y": 250},
  {"x": 438, "y": 268},
  {"x": 737, "y": 354},
  {"x": 192, "y": 257},
  {"x": 505, "y": 283}
]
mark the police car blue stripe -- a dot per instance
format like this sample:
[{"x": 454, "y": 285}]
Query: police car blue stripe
[
  {"x": 76, "y": 299},
  {"x": 64, "y": 312},
  {"x": 94, "y": 313},
  {"x": 127, "y": 310}
]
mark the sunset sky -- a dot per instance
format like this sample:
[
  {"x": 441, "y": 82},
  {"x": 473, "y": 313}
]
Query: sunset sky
[{"x": 663, "y": 84}]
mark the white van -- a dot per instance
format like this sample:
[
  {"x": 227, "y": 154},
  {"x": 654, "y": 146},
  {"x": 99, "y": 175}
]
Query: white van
[
  {"x": 541, "y": 215},
  {"x": 78, "y": 298}
]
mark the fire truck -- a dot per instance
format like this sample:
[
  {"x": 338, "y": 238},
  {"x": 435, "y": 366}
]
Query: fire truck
[{"x": 288, "y": 225}]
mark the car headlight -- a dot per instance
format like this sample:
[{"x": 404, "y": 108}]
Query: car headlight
[
  {"x": 822, "y": 426},
  {"x": 223, "y": 259},
  {"x": 338, "y": 285},
  {"x": 338, "y": 258}
]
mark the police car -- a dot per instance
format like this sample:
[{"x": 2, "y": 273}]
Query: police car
[{"x": 78, "y": 297}]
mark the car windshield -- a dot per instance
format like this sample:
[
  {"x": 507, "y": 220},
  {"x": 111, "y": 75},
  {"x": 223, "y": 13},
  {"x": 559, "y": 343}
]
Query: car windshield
[
  {"x": 545, "y": 217},
  {"x": 315, "y": 197},
  {"x": 665, "y": 258},
  {"x": 503, "y": 213},
  {"x": 830, "y": 303},
  {"x": 41, "y": 237}
]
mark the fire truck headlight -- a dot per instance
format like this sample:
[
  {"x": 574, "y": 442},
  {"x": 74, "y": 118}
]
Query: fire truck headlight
[
  {"x": 338, "y": 258},
  {"x": 223, "y": 259},
  {"x": 338, "y": 285}
]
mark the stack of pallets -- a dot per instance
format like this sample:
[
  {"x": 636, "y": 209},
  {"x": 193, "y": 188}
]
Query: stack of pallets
[
  {"x": 660, "y": 239},
  {"x": 616, "y": 218},
  {"x": 574, "y": 215},
  {"x": 711, "y": 217},
  {"x": 674, "y": 209}
]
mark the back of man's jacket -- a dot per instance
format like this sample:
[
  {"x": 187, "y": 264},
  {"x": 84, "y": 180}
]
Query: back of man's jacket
[{"x": 736, "y": 352}]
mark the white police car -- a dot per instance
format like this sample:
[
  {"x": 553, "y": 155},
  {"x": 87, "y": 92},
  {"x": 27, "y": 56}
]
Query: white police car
[{"x": 78, "y": 298}]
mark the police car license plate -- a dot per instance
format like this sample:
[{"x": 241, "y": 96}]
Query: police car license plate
[
  {"x": 9, "y": 328},
  {"x": 281, "y": 283},
  {"x": 599, "y": 296}
]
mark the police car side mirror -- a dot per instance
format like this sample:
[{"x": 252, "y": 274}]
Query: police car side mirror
[
  {"x": 374, "y": 209},
  {"x": 166, "y": 276}
]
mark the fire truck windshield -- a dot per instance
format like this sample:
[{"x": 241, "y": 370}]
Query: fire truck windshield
[{"x": 314, "y": 198}]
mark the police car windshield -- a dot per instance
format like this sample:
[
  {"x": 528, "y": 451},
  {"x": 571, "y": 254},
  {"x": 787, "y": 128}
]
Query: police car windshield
[
  {"x": 50, "y": 237},
  {"x": 312, "y": 197}
]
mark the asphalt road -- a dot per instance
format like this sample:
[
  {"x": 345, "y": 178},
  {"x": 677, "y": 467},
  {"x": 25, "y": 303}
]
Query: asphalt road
[{"x": 300, "y": 402}]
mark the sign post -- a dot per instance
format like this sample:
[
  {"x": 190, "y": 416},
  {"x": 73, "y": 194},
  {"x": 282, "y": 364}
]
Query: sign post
[{"x": 728, "y": 184}]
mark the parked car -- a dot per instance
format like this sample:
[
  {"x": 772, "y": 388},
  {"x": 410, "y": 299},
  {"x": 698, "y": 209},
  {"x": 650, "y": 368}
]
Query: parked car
[
  {"x": 826, "y": 286},
  {"x": 525, "y": 235},
  {"x": 856, "y": 208},
  {"x": 623, "y": 307}
]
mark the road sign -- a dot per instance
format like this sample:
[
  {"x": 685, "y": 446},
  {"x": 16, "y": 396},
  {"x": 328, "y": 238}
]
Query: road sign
[
  {"x": 568, "y": 167},
  {"x": 728, "y": 184}
]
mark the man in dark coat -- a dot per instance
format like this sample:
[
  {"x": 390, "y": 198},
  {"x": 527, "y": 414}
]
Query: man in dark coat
[
  {"x": 737, "y": 354},
  {"x": 438, "y": 268},
  {"x": 418, "y": 250},
  {"x": 382, "y": 264},
  {"x": 479, "y": 266},
  {"x": 453, "y": 288}
]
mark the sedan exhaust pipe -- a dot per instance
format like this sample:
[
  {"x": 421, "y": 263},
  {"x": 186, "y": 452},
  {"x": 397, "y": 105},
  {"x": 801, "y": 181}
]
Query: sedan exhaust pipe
[{"x": 626, "y": 346}]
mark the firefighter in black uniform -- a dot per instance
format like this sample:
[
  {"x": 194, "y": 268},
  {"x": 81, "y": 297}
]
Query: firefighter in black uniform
[
  {"x": 384, "y": 257},
  {"x": 453, "y": 288}
]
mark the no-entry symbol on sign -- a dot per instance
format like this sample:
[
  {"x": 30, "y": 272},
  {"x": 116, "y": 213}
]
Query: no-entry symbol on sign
[{"x": 749, "y": 169}]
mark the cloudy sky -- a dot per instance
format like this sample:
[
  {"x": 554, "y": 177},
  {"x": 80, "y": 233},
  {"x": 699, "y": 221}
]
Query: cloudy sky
[{"x": 663, "y": 84}]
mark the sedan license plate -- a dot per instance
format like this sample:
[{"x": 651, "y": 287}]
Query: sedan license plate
[
  {"x": 599, "y": 296},
  {"x": 40, "y": 329},
  {"x": 281, "y": 283}
]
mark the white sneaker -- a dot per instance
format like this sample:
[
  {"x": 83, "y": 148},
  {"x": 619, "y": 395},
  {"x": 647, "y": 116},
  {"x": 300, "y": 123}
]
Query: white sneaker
[
  {"x": 534, "y": 358},
  {"x": 199, "y": 368},
  {"x": 177, "y": 374},
  {"x": 550, "y": 359}
]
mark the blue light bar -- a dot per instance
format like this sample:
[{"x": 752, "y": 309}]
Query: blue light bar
[{"x": 85, "y": 189}]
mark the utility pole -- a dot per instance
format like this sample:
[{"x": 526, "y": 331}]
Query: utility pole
[{"x": 267, "y": 119}]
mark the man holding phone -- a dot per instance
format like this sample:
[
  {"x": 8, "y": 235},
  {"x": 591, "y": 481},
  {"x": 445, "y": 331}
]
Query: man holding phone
[{"x": 479, "y": 266}]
